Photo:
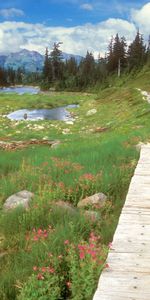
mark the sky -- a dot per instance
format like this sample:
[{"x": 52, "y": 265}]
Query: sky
[{"x": 80, "y": 25}]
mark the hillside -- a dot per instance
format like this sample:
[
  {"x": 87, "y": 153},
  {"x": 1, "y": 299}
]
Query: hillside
[{"x": 51, "y": 248}]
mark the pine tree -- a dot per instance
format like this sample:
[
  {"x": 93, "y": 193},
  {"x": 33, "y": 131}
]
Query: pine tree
[
  {"x": 47, "y": 69},
  {"x": 117, "y": 54},
  {"x": 71, "y": 66},
  {"x": 110, "y": 57},
  {"x": 56, "y": 60},
  {"x": 137, "y": 52},
  {"x": 148, "y": 51},
  {"x": 101, "y": 68},
  {"x": 87, "y": 69}
]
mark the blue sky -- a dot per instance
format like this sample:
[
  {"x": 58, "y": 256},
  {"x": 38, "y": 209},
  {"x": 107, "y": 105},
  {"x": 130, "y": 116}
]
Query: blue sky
[
  {"x": 67, "y": 12},
  {"x": 80, "y": 25}
]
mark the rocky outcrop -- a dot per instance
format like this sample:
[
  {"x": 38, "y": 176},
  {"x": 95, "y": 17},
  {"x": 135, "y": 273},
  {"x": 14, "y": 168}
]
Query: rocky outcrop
[
  {"x": 91, "y": 112},
  {"x": 21, "y": 198},
  {"x": 97, "y": 200}
]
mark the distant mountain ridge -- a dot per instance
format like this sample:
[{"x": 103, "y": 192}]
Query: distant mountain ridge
[{"x": 31, "y": 61}]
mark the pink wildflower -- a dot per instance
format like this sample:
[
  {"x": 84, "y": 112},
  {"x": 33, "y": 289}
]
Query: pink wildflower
[
  {"x": 66, "y": 242},
  {"x": 68, "y": 284},
  {"x": 43, "y": 269},
  {"x": 35, "y": 268},
  {"x": 82, "y": 255},
  {"x": 35, "y": 238},
  {"x": 40, "y": 276},
  {"x": 51, "y": 270},
  {"x": 110, "y": 246}
]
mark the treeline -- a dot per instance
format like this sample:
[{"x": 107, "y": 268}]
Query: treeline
[
  {"x": 20, "y": 76},
  {"x": 73, "y": 75},
  {"x": 10, "y": 76}
]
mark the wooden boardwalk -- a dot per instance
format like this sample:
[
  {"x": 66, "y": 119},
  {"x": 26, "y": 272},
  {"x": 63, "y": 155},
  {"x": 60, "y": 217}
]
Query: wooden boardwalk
[{"x": 128, "y": 275}]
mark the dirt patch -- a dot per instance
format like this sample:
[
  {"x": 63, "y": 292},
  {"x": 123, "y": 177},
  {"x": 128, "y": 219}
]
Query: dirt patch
[{"x": 16, "y": 145}]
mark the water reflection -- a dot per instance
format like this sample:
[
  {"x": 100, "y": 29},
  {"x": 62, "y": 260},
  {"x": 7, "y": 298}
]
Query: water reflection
[
  {"x": 20, "y": 90},
  {"x": 59, "y": 113}
]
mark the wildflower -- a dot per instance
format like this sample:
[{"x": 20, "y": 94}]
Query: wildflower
[
  {"x": 92, "y": 245},
  {"x": 87, "y": 176},
  {"x": 93, "y": 254},
  {"x": 43, "y": 269},
  {"x": 40, "y": 231},
  {"x": 35, "y": 238},
  {"x": 110, "y": 245},
  {"x": 51, "y": 270},
  {"x": 45, "y": 235},
  {"x": 82, "y": 255},
  {"x": 40, "y": 276},
  {"x": 35, "y": 268},
  {"x": 66, "y": 242},
  {"x": 68, "y": 284},
  {"x": 81, "y": 247}
]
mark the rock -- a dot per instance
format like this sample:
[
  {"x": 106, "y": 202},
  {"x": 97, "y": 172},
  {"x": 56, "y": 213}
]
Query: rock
[
  {"x": 65, "y": 206},
  {"x": 98, "y": 200},
  {"x": 66, "y": 131},
  {"x": 55, "y": 144},
  {"x": 69, "y": 122},
  {"x": 91, "y": 112},
  {"x": 100, "y": 129},
  {"x": 21, "y": 198}
]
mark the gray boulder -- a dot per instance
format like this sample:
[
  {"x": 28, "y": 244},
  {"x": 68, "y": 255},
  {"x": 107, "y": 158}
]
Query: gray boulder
[
  {"x": 98, "y": 200},
  {"x": 21, "y": 198}
]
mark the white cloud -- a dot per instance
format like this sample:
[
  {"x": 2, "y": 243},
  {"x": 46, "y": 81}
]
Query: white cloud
[
  {"x": 86, "y": 6},
  {"x": 78, "y": 39},
  {"x": 18, "y": 35},
  {"x": 141, "y": 17},
  {"x": 11, "y": 12}
]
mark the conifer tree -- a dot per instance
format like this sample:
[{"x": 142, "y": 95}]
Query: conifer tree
[
  {"x": 47, "y": 69},
  {"x": 87, "y": 69},
  {"x": 137, "y": 52},
  {"x": 56, "y": 60},
  {"x": 117, "y": 54}
]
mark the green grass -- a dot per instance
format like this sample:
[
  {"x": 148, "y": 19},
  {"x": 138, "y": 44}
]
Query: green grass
[{"x": 59, "y": 174}]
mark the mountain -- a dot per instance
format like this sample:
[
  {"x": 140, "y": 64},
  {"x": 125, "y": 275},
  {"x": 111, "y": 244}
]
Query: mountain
[
  {"x": 31, "y": 61},
  {"x": 67, "y": 56}
]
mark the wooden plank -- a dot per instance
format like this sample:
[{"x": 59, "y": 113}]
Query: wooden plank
[
  {"x": 128, "y": 275},
  {"x": 129, "y": 262}
]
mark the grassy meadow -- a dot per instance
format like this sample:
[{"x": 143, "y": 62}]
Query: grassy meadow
[{"x": 47, "y": 252}]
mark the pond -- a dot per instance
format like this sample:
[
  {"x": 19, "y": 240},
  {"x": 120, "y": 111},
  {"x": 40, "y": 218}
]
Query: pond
[
  {"x": 59, "y": 113},
  {"x": 20, "y": 90}
]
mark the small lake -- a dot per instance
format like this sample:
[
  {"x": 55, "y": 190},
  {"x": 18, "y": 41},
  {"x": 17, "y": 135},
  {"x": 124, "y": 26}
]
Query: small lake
[
  {"x": 59, "y": 113},
  {"x": 20, "y": 90}
]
